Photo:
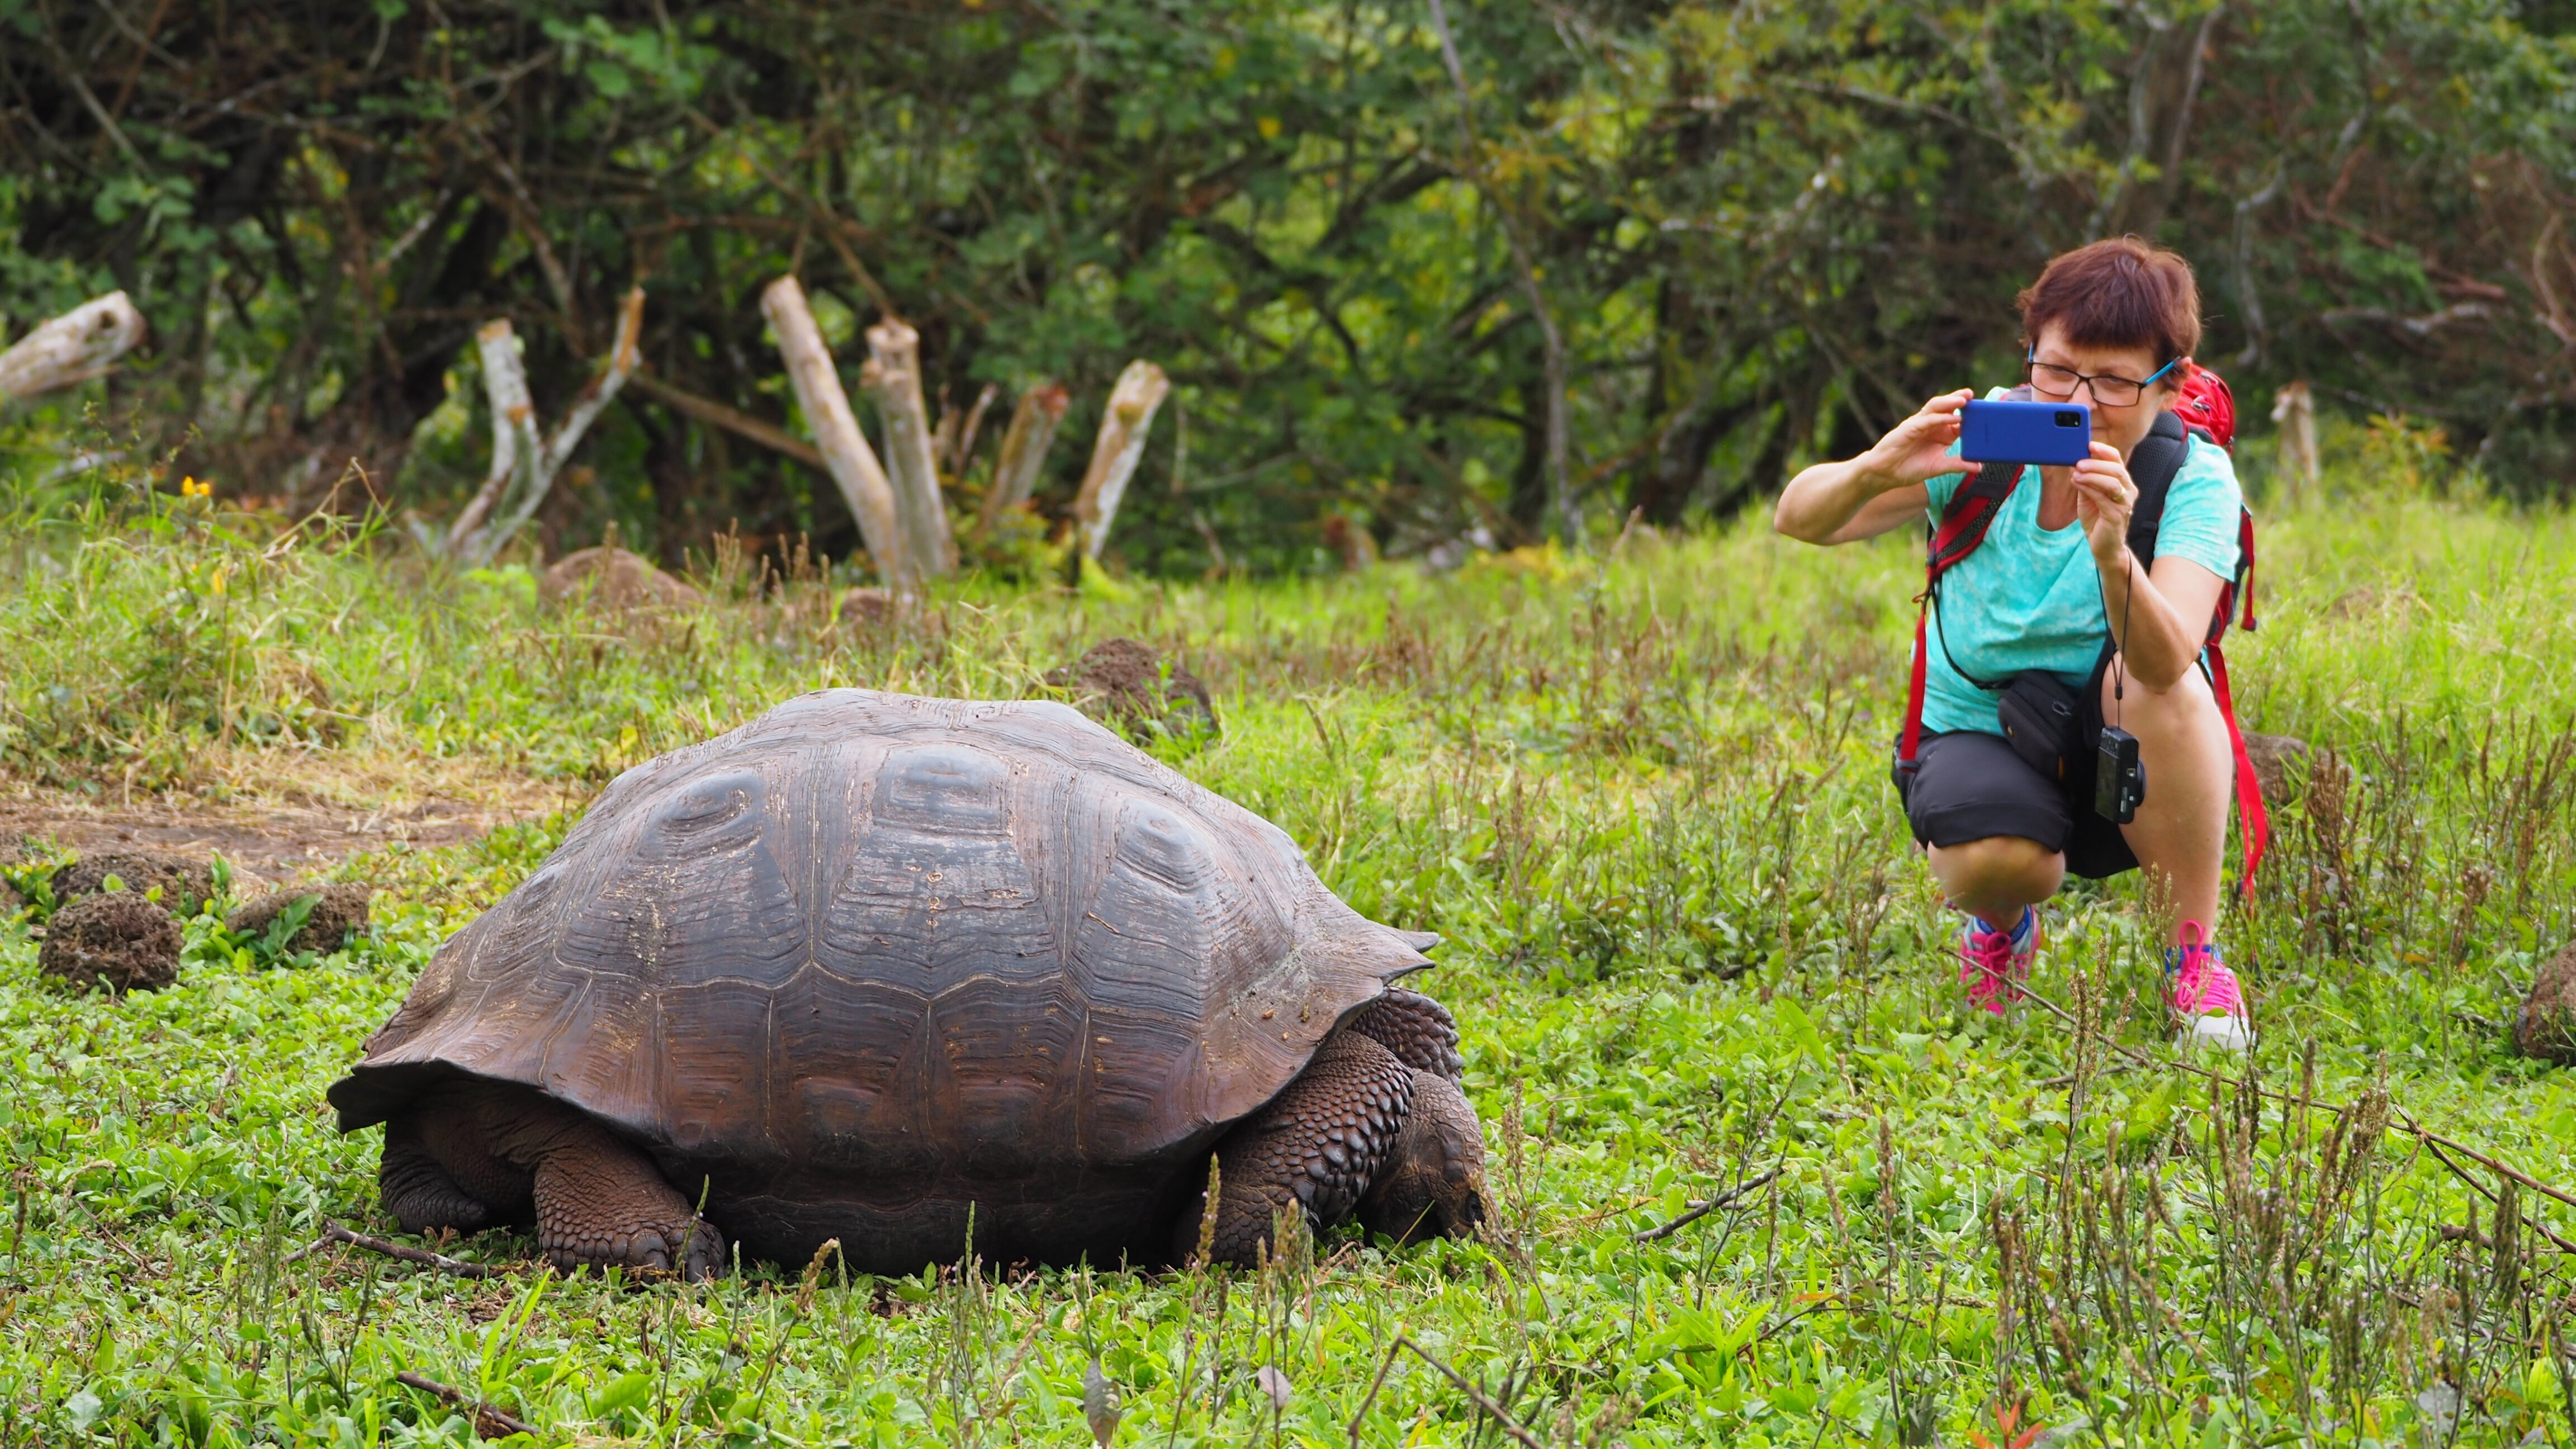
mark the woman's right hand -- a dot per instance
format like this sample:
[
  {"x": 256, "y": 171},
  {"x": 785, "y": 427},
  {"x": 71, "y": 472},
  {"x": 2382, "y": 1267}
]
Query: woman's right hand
[{"x": 1917, "y": 450}]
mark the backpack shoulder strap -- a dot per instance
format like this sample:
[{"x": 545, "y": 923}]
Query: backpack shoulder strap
[
  {"x": 1970, "y": 512},
  {"x": 1964, "y": 521},
  {"x": 2153, "y": 465}
]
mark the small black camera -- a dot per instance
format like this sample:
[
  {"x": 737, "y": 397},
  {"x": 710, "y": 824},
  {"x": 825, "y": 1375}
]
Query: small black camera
[{"x": 2119, "y": 776}]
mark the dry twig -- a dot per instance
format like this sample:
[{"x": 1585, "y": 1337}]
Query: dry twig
[
  {"x": 1501, "y": 1417},
  {"x": 1700, "y": 1210},
  {"x": 489, "y": 1422},
  {"x": 333, "y": 1232}
]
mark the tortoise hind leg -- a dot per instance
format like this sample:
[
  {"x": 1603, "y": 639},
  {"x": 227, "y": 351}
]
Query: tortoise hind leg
[
  {"x": 601, "y": 1202},
  {"x": 598, "y": 1200},
  {"x": 1314, "y": 1147},
  {"x": 416, "y": 1188}
]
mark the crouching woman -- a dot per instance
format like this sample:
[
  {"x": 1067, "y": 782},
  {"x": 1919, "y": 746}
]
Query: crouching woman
[{"x": 2055, "y": 589}]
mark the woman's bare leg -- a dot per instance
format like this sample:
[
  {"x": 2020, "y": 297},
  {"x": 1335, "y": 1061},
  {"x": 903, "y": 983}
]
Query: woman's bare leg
[
  {"x": 2180, "y": 833},
  {"x": 1994, "y": 878}
]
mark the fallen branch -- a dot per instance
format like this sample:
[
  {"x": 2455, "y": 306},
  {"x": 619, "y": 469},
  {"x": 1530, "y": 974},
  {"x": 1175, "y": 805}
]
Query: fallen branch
[
  {"x": 1502, "y": 1419},
  {"x": 1024, "y": 449},
  {"x": 75, "y": 347},
  {"x": 489, "y": 1421},
  {"x": 715, "y": 414},
  {"x": 334, "y": 1232},
  {"x": 852, "y": 463},
  {"x": 1120, "y": 446},
  {"x": 1700, "y": 1210}
]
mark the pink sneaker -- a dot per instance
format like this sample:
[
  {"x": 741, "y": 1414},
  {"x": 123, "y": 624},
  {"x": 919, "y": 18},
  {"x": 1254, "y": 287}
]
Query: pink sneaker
[
  {"x": 1993, "y": 964},
  {"x": 2205, "y": 993}
]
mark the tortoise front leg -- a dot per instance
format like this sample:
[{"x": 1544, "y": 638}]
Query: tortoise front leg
[
  {"x": 1315, "y": 1147},
  {"x": 1432, "y": 1184}
]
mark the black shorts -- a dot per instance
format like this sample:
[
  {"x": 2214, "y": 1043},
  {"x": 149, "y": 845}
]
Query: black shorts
[{"x": 1970, "y": 785}]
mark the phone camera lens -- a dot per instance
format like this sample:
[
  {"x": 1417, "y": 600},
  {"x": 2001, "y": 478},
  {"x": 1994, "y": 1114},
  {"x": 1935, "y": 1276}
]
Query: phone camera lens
[{"x": 2069, "y": 418}]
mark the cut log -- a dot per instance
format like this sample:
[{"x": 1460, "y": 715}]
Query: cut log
[
  {"x": 1115, "y": 453},
  {"x": 524, "y": 464},
  {"x": 75, "y": 347},
  {"x": 853, "y": 464},
  {"x": 1024, "y": 449},
  {"x": 893, "y": 378}
]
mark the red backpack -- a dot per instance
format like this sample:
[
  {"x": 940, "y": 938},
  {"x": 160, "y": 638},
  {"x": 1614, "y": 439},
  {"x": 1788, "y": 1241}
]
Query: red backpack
[{"x": 2206, "y": 408}]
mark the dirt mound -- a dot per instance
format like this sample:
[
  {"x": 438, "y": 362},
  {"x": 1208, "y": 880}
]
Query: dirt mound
[
  {"x": 185, "y": 883},
  {"x": 2545, "y": 1028},
  {"x": 611, "y": 578},
  {"x": 1125, "y": 684},
  {"x": 2280, "y": 762},
  {"x": 113, "y": 936},
  {"x": 341, "y": 912}
]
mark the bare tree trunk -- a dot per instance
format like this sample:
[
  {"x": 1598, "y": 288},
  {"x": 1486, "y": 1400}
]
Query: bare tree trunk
[
  {"x": 2294, "y": 407},
  {"x": 505, "y": 388},
  {"x": 75, "y": 347},
  {"x": 853, "y": 464},
  {"x": 893, "y": 377},
  {"x": 1024, "y": 449},
  {"x": 524, "y": 465},
  {"x": 1114, "y": 455}
]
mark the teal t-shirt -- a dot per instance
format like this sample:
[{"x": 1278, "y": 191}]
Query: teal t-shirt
[{"x": 2031, "y": 599}]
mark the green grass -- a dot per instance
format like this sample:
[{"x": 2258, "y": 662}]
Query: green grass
[{"x": 1645, "y": 801}]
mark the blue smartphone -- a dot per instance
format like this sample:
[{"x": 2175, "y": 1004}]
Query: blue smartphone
[{"x": 2013, "y": 431}]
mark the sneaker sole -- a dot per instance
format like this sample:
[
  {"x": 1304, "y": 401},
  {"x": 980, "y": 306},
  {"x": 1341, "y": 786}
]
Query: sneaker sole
[{"x": 2227, "y": 1033}]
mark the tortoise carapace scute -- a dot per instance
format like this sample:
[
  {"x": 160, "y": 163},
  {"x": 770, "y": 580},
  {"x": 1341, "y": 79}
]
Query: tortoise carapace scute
[{"x": 874, "y": 962}]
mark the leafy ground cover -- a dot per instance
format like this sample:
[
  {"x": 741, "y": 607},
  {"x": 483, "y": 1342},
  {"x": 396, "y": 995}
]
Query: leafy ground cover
[{"x": 1643, "y": 798}]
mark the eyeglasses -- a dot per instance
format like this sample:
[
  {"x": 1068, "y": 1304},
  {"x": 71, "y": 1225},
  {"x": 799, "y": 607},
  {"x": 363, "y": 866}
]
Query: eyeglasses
[{"x": 2059, "y": 383}]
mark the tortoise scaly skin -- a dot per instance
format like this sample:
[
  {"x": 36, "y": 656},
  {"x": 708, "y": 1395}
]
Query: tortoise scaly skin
[{"x": 874, "y": 965}]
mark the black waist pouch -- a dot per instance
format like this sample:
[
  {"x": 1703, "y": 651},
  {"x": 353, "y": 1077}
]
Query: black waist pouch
[{"x": 2040, "y": 719}]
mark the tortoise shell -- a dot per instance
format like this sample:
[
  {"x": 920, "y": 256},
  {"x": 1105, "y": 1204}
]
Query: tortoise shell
[{"x": 874, "y": 962}]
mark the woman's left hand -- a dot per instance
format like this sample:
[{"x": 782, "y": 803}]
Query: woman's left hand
[{"x": 2104, "y": 498}]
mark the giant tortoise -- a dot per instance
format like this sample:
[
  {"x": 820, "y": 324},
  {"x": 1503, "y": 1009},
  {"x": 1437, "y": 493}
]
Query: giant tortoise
[{"x": 895, "y": 970}]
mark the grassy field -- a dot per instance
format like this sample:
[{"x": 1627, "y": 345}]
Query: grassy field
[{"x": 1643, "y": 798}]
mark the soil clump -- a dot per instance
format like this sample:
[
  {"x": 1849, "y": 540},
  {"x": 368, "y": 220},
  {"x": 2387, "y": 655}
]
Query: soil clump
[
  {"x": 2545, "y": 1028},
  {"x": 612, "y": 578},
  {"x": 185, "y": 883},
  {"x": 2280, "y": 762},
  {"x": 1125, "y": 684},
  {"x": 340, "y": 913},
  {"x": 116, "y": 937}
]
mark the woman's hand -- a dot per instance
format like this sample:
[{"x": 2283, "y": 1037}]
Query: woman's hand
[
  {"x": 2104, "y": 499},
  {"x": 1917, "y": 450}
]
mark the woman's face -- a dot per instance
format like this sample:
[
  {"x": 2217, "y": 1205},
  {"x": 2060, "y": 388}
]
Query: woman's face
[{"x": 2121, "y": 427}]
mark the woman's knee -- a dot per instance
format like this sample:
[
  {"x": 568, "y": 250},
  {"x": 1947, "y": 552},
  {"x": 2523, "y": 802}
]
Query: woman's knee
[
  {"x": 2186, "y": 705},
  {"x": 2000, "y": 866}
]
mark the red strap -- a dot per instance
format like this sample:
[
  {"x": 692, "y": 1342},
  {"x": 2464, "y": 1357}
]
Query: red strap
[
  {"x": 2252, "y": 821},
  {"x": 2244, "y": 566},
  {"x": 1963, "y": 526},
  {"x": 1906, "y": 753}
]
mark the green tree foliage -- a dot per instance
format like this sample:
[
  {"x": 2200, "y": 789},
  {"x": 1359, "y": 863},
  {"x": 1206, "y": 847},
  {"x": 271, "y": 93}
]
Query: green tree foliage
[{"x": 1763, "y": 229}]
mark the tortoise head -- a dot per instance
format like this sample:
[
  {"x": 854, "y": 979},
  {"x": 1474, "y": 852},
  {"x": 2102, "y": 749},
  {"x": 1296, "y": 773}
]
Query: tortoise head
[{"x": 1433, "y": 1183}]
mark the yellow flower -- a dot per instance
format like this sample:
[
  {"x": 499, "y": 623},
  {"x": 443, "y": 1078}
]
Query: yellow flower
[
  {"x": 1268, "y": 126},
  {"x": 189, "y": 487}
]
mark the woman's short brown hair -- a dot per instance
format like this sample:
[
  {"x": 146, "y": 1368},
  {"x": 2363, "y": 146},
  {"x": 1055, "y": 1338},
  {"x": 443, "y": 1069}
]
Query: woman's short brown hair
[{"x": 2117, "y": 292}]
